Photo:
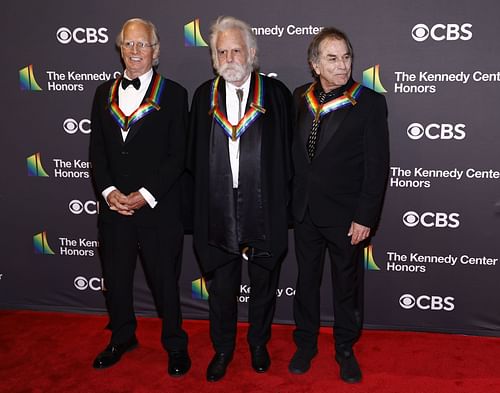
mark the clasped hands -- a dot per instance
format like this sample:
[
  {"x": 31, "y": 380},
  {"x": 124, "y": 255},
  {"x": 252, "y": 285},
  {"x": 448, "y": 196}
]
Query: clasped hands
[{"x": 125, "y": 204}]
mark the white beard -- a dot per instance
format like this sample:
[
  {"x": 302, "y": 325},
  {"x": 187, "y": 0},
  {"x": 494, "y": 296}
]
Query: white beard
[{"x": 234, "y": 72}]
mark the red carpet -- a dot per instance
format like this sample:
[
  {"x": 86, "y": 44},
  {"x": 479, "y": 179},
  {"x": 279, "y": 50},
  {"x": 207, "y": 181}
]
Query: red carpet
[{"x": 53, "y": 352}]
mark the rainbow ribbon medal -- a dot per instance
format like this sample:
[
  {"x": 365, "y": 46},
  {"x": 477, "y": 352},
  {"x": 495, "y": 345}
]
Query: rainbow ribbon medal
[
  {"x": 348, "y": 98},
  {"x": 256, "y": 108},
  {"x": 149, "y": 104}
]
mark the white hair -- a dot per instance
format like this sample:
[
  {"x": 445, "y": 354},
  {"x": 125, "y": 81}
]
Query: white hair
[
  {"x": 224, "y": 23},
  {"x": 153, "y": 36}
]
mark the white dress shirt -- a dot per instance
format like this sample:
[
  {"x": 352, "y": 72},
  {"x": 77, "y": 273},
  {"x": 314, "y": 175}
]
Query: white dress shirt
[
  {"x": 232, "y": 116},
  {"x": 129, "y": 100}
]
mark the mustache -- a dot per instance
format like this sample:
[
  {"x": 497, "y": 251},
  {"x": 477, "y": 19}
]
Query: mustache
[{"x": 231, "y": 67}]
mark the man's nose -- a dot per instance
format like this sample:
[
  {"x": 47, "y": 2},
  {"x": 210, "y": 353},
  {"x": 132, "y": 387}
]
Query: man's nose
[{"x": 342, "y": 64}]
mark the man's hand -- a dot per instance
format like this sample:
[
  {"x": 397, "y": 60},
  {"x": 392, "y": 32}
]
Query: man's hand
[
  {"x": 119, "y": 203},
  {"x": 358, "y": 233},
  {"x": 135, "y": 200}
]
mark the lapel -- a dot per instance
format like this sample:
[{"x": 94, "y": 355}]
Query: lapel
[
  {"x": 305, "y": 125},
  {"x": 222, "y": 94},
  {"x": 253, "y": 107},
  {"x": 330, "y": 123},
  {"x": 329, "y": 127},
  {"x": 222, "y": 97},
  {"x": 221, "y": 102},
  {"x": 149, "y": 104},
  {"x": 251, "y": 90}
]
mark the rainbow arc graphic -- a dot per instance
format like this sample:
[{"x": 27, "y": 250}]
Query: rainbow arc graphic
[
  {"x": 371, "y": 79},
  {"x": 27, "y": 81},
  {"x": 368, "y": 259},
  {"x": 35, "y": 168},
  {"x": 192, "y": 34},
  {"x": 41, "y": 244},
  {"x": 199, "y": 289}
]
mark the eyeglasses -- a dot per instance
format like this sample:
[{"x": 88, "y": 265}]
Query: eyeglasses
[{"x": 139, "y": 45}]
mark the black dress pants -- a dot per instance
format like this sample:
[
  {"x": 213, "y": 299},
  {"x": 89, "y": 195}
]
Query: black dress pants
[
  {"x": 347, "y": 271},
  {"x": 160, "y": 248},
  {"x": 223, "y": 289}
]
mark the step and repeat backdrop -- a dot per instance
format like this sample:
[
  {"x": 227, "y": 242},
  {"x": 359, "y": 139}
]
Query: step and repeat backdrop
[{"x": 434, "y": 262}]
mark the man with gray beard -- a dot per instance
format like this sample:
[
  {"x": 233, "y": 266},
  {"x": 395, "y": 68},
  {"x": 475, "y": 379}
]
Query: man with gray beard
[{"x": 239, "y": 156}]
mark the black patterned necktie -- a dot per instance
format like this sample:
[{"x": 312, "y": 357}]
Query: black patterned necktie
[
  {"x": 313, "y": 135},
  {"x": 134, "y": 82}
]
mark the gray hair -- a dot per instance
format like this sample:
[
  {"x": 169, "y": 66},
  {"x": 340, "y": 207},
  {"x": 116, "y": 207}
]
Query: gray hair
[
  {"x": 324, "y": 34},
  {"x": 224, "y": 23},
  {"x": 153, "y": 35}
]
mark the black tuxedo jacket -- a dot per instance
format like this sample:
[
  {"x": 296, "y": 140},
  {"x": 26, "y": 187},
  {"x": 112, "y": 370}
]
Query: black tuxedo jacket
[
  {"x": 152, "y": 155},
  {"x": 346, "y": 179}
]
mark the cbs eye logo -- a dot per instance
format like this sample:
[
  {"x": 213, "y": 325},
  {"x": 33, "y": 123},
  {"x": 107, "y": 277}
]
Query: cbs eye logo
[
  {"x": 82, "y": 35},
  {"x": 431, "y": 219},
  {"x": 435, "y": 131},
  {"x": 442, "y": 32},
  {"x": 77, "y": 207},
  {"x": 94, "y": 284},
  {"x": 427, "y": 302},
  {"x": 72, "y": 126}
]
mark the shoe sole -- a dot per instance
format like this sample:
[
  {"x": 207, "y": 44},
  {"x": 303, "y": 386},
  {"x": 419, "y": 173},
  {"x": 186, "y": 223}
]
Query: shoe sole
[
  {"x": 347, "y": 380},
  {"x": 350, "y": 381},
  {"x": 215, "y": 379},
  {"x": 177, "y": 375},
  {"x": 297, "y": 371}
]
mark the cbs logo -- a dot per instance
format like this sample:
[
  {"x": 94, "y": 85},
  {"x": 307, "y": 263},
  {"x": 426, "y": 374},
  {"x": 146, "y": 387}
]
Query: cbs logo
[
  {"x": 441, "y": 32},
  {"x": 94, "y": 283},
  {"x": 82, "y": 35},
  {"x": 426, "y": 302},
  {"x": 434, "y": 131},
  {"x": 71, "y": 126},
  {"x": 431, "y": 219},
  {"x": 77, "y": 207}
]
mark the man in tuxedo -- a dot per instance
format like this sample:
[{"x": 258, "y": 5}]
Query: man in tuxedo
[
  {"x": 137, "y": 145},
  {"x": 341, "y": 160},
  {"x": 239, "y": 157}
]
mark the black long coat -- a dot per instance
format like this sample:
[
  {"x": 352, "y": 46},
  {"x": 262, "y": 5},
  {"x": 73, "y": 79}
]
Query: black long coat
[{"x": 275, "y": 165}]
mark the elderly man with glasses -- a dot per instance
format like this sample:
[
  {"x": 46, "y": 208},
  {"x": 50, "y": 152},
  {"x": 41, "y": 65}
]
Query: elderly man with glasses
[{"x": 137, "y": 153}]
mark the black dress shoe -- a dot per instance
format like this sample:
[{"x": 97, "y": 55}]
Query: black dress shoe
[
  {"x": 260, "y": 358},
  {"x": 349, "y": 367},
  {"x": 218, "y": 365},
  {"x": 179, "y": 363},
  {"x": 301, "y": 361},
  {"x": 113, "y": 353}
]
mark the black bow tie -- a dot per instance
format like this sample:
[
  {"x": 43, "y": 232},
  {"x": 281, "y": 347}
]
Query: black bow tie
[{"x": 134, "y": 82}]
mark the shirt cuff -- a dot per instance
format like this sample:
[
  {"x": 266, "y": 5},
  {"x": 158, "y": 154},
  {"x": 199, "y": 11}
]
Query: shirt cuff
[
  {"x": 150, "y": 199},
  {"x": 106, "y": 192}
]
